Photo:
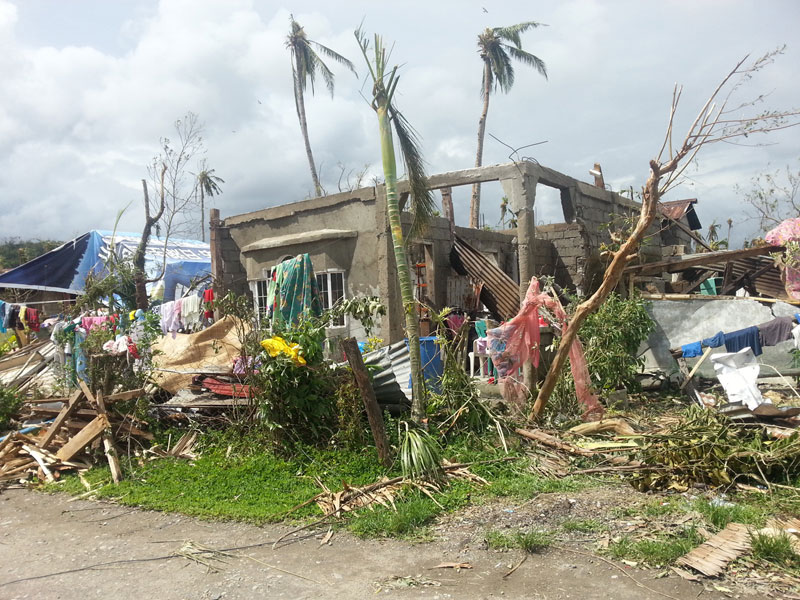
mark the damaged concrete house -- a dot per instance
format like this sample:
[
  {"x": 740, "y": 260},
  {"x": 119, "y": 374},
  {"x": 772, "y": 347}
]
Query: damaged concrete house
[{"x": 347, "y": 237}]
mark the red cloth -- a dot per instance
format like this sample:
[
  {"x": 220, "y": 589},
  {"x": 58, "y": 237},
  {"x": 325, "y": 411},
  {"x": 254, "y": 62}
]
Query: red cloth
[
  {"x": 32, "y": 316},
  {"x": 208, "y": 298},
  {"x": 223, "y": 388},
  {"x": 517, "y": 341}
]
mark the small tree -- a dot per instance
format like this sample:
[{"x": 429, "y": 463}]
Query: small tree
[
  {"x": 422, "y": 204},
  {"x": 772, "y": 197},
  {"x": 719, "y": 120},
  {"x": 169, "y": 211}
]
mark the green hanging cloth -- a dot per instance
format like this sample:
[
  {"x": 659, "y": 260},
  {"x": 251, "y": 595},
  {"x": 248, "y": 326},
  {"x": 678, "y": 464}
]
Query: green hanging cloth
[{"x": 297, "y": 292}]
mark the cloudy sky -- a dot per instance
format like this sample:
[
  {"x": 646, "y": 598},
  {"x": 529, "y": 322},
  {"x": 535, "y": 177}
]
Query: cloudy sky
[{"x": 90, "y": 86}]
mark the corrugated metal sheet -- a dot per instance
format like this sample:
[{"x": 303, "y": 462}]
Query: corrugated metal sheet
[
  {"x": 499, "y": 293},
  {"x": 677, "y": 209},
  {"x": 391, "y": 380}
]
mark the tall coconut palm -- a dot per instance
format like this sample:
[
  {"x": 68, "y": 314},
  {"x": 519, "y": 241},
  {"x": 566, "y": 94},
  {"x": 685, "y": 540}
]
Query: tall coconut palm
[
  {"x": 497, "y": 46},
  {"x": 422, "y": 203},
  {"x": 306, "y": 64},
  {"x": 208, "y": 185}
]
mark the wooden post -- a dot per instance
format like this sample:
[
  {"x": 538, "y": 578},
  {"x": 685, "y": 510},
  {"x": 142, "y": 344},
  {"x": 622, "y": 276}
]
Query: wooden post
[{"x": 350, "y": 348}]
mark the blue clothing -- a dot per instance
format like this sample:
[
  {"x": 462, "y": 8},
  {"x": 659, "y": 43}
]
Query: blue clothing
[
  {"x": 797, "y": 317},
  {"x": 691, "y": 350},
  {"x": 736, "y": 340},
  {"x": 3, "y": 306},
  {"x": 715, "y": 341}
]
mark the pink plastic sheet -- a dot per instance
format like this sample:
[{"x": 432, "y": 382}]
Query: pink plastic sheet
[
  {"x": 514, "y": 343},
  {"x": 788, "y": 231}
]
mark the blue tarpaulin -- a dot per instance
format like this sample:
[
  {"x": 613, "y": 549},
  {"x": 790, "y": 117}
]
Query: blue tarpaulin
[{"x": 65, "y": 269}]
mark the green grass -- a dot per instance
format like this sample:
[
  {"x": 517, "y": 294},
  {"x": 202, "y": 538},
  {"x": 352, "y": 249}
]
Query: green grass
[
  {"x": 740, "y": 512},
  {"x": 775, "y": 549},
  {"x": 658, "y": 552},
  {"x": 530, "y": 541},
  {"x": 257, "y": 487},
  {"x": 583, "y": 525}
]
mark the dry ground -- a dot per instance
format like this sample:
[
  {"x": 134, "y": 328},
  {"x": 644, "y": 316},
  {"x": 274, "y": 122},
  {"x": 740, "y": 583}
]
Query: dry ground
[{"x": 51, "y": 547}]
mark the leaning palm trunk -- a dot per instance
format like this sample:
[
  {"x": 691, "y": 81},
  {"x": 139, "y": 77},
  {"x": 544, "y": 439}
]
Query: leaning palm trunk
[
  {"x": 475, "y": 203},
  {"x": 403, "y": 275},
  {"x": 301, "y": 115},
  {"x": 423, "y": 205}
]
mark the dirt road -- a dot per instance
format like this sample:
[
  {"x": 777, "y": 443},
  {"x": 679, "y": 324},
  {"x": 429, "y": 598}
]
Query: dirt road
[{"x": 53, "y": 548}]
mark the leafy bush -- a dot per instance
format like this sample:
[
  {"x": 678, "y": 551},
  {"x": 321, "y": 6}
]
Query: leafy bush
[
  {"x": 611, "y": 338},
  {"x": 294, "y": 387},
  {"x": 10, "y": 403}
]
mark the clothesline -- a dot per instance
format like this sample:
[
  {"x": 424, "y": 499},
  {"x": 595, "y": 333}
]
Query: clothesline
[
  {"x": 769, "y": 333},
  {"x": 21, "y": 303}
]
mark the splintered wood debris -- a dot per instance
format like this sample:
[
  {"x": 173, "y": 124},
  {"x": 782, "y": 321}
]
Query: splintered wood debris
[{"x": 82, "y": 420}]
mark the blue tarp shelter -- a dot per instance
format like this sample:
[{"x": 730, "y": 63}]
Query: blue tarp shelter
[{"x": 65, "y": 268}]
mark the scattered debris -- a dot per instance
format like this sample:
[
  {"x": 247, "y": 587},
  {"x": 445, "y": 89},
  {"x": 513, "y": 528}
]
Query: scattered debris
[
  {"x": 711, "y": 557},
  {"x": 453, "y": 565},
  {"x": 81, "y": 420}
]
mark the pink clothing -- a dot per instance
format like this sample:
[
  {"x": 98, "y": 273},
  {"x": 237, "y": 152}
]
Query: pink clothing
[
  {"x": 89, "y": 323},
  {"x": 515, "y": 342},
  {"x": 788, "y": 231}
]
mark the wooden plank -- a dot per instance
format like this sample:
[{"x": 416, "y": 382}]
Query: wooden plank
[
  {"x": 749, "y": 275},
  {"x": 680, "y": 263},
  {"x": 88, "y": 393},
  {"x": 704, "y": 297},
  {"x": 66, "y": 411},
  {"x": 696, "y": 367},
  {"x": 113, "y": 459},
  {"x": 108, "y": 443},
  {"x": 85, "y": 437},
  {"x": 129, "y": 395},
  {"x": 703, "y": 277},
  {"x": 350, "y": 348}
]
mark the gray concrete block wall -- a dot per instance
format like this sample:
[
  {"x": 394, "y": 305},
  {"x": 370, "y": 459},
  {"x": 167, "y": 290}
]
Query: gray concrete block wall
[{"x": 234, "y": 276}]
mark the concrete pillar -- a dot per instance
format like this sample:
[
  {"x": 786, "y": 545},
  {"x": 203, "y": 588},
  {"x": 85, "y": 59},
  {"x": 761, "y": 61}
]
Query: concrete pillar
[
  {"x": 447, "y": 207},
  {"x": 215, "y": 241},
  {"x": 521, "y": 193}
]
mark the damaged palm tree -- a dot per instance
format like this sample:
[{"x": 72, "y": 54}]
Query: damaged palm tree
[
  {"x": 720, "y": 119},
  {"x": 422, "y": 203}
]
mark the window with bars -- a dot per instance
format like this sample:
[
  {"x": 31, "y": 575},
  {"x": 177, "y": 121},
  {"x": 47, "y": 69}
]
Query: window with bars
[{"x": 331, "y": 290}]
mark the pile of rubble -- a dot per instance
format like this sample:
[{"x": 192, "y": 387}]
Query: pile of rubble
[{"x": 83, "y": 420}]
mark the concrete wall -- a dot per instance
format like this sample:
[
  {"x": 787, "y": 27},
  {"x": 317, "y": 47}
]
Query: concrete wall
[
  {"x": 338, "y": 232},
  {"x": 350, "y": 232},
  {"x": 686, "y": 321}
]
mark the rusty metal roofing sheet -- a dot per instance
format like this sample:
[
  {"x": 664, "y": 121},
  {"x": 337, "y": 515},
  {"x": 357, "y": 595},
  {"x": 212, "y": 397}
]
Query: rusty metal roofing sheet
[{"x": 499, "y": 293}]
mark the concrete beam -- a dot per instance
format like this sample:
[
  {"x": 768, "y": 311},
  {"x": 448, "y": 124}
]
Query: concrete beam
[{"x": 288, "y": 210}]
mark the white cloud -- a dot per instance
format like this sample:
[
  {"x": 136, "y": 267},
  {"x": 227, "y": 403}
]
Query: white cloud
[{"x": 82, "y": 110}]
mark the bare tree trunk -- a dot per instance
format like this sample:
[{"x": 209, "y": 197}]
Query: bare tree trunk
[
  {"x": 139, "y": 277},
  {"x": 301, "y": 115},
  {"x": 475, "y": 202},
  {"x": 610, "y": 280},
  {"x": 202, "y": 215}
]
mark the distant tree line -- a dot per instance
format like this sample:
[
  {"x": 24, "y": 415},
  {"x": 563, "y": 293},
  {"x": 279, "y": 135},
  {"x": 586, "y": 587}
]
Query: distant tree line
[{"x": 15, "y": 251}]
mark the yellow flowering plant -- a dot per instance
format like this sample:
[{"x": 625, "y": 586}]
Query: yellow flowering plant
[{"x": 277, "y": 345}]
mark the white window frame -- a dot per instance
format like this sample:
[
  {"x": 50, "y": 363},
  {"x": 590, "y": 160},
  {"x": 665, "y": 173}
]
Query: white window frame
[
  {"x": 327, "y": 294},
  {"x": 260, "y": 287}
]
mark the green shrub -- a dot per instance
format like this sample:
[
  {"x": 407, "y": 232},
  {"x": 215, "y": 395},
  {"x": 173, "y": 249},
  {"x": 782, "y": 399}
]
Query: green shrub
[
  {"x": 611, "y": 338},
  {"x": 10, "y": 403}
]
